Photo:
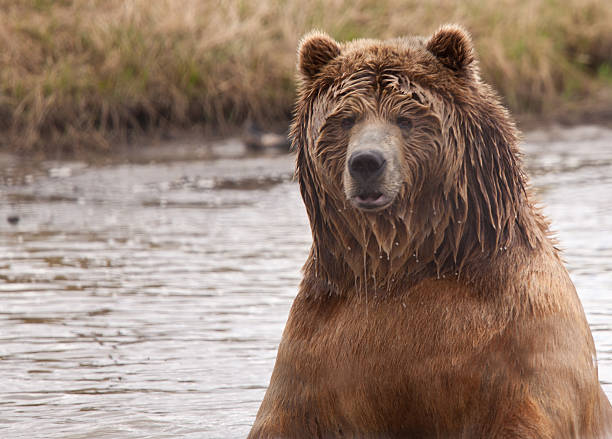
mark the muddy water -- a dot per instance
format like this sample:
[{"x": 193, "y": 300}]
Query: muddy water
[{"x": 146, "y": 299}]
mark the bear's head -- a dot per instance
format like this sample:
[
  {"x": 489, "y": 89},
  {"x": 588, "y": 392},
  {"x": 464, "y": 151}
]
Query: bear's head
[{"x": 407, "y": 163}]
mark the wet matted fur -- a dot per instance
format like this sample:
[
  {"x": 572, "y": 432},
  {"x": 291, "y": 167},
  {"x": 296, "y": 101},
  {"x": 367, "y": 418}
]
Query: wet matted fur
[{"x": 447, "y": 312}]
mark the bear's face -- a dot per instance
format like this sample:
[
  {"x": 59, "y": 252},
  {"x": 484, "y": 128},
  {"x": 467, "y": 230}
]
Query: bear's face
[
  {"x": 375, "y": 134},
  {"x": 385, "y": 144},
  {"x": 406, "y": 161}
]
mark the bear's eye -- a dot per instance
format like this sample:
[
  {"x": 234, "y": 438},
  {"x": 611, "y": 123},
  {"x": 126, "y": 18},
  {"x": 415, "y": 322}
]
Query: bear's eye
[
  {"x": 404, "y": 123},
  {"x": 347, "y": 122}
]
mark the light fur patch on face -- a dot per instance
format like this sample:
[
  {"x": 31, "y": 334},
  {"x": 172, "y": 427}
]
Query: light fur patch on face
[{"x": 384, "y": 139}]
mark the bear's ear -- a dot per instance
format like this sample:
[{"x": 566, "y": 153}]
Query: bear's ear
[
  {"x": 315, "y": 51},
  {"x": 453, "y": 47}
]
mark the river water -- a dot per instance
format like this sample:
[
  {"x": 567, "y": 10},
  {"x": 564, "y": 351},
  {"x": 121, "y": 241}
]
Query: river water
[{"x": 145, "y": 297}]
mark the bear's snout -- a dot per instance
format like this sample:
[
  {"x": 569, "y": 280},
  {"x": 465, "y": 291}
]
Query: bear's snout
[{"x": 371, "y": 177}]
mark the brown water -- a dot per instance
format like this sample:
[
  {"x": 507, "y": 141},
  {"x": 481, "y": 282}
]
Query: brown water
[{"x": 142, "y": 299}]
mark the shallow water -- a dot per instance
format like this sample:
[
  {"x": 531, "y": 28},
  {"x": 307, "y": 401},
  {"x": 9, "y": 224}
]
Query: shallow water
[{"x": 143, "y": 299}]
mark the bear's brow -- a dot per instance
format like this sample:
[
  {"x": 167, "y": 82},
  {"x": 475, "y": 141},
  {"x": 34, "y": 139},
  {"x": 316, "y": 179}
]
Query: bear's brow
[{"x": 380, "y": 79}]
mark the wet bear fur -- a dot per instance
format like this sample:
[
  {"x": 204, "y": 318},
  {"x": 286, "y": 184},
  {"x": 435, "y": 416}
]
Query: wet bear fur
[{"x": 448, "y": 313}]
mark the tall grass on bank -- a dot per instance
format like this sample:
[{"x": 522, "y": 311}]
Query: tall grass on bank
[{"x": 85, "y": 74}]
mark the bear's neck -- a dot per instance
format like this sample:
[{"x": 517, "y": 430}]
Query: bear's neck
[{"x": 388, "y": 252}]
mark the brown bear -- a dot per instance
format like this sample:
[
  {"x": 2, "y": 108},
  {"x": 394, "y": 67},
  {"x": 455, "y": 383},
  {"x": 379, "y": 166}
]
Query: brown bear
[{"x": 434, "y": 302}]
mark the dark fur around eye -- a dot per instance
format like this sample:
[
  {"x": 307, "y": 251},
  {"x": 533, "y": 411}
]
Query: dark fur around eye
[
  {"x": 348, "y": 122},
  {"x": 404, "y": 123},
  {"x": 416, "y": 97}
]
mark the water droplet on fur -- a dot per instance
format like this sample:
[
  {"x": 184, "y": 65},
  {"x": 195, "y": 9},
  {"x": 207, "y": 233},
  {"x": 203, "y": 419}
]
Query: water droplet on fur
[
  {"x": 396, "y": 243},
  {"x": 403, "y": 304},
  {"x": 459, "y": 222},
  {"x": 348, "y": 247}
]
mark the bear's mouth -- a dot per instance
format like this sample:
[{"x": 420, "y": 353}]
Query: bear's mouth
[{"x": 371, "y": 201}]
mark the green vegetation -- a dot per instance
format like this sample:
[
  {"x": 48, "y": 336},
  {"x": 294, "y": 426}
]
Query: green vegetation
[{"x": 86, "y": 74}]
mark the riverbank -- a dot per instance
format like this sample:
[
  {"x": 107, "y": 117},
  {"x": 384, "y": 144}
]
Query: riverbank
[{"x": 87, "y": 76}]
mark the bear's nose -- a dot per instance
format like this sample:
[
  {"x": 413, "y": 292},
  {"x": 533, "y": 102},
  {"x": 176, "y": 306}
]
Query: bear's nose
[{"x": 366, "y": 165}]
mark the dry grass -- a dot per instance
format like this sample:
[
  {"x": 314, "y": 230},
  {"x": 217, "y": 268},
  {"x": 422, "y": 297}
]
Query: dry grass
[{"x": 84, "y": 74}]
